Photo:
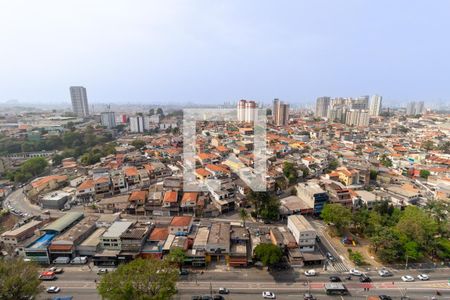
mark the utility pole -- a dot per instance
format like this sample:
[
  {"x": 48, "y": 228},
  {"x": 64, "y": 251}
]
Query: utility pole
[
  {"x": 406, "y": 264},
  {"x": 210, "y": 289}
]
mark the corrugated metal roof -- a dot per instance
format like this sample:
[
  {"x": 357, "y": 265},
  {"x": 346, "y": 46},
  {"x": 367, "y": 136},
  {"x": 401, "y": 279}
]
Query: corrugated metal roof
[{"x": 65, "y": 221}]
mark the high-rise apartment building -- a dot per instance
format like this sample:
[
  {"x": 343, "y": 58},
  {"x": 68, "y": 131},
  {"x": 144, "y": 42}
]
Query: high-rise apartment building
[
  {"x": 108, "y": 119},
  {"x": 79, "y": 101},
  {"x": 375, "y": 105},
  {"x": 360, "y": 103},
  {"x": 280, "y": 113},
  {"x": 357, "y": 117},
  {"x": 246, "y": 111},
  {"x": 137, "y": 124},
  {"x": 415, "y": 108},
  {"x": 322, "y": 105}
]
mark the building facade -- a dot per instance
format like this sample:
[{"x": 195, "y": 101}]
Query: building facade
[{"x": 79, "y": 101}]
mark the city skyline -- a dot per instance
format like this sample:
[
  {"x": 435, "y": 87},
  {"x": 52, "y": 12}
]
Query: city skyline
[{"x": 157, "y": 54}]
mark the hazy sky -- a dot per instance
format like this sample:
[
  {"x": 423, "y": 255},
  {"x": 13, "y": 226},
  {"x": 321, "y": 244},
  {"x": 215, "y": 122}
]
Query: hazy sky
[{"x": 216, "y": 51}]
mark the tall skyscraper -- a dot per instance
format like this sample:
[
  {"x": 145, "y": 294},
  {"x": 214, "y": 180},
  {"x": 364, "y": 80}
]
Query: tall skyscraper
[
  {"x": 79, "y": 101},
  {"x": 375, "y": 105},
  {"x": 137, "y": 124},
  {"x": 108, "y": 119},
  {"x": 280, "y": 112},
  {"x": 415, "y": 108},
  {"x": 322, "y": 104},
  {"x": 246, "y": 110}
]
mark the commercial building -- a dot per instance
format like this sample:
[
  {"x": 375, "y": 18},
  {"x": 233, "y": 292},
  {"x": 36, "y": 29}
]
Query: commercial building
[
  {"x": 10, "y": 239},
  {"x": 108, "y": 119},
  {"x": 304, "y": 234},
  {"x": 79, "y": 101},
  {"x": 55, "y": 200},
  {"x": 65, "y": 244},
  {"x": 218, "y": 245},
  {"x": 313, "y": 195},
  {"x": 38, "y": 249},
  {"x": 110, "y": 240},
  {"x": 91, "y": 245}
]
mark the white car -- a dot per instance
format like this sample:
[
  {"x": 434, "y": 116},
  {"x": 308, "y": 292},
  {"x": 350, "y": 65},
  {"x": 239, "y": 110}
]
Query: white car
[
  {"x": 268, "y": 295},
  {"x": 310, "y": 273},
  {"x": 407, "y": 278},
  {"x": 423, "y": 277},
  {"x": 53, "y": 290},
  {"x": 355, "y": 272}
]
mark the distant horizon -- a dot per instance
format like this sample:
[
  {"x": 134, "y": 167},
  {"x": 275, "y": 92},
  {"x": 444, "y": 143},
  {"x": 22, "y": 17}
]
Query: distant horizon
[{"x": 212, "y": 52}]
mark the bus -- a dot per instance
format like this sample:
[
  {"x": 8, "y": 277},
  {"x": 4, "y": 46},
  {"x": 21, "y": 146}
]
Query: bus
[
  {"x": 47, "y": 275},
  {"x": 336, "y": 288}
]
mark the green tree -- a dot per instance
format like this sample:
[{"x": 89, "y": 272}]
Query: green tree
[
  {"x": 57, "y": 159},
  {"x": 356, "y": 257},
  {"x": 143, "y": 279},
  {"x": 373, "y": 174},
  {"x": 18, "y": 279},
  {"x": 338, "y": 215},
  {"x": 386, "y": 161},
  {"x": 268, "y": 254},
  {"x": 416, "y": 225},
  {"x": 138, "y": 144},
  {"x": 424, "y": 174},
  {"x": 177, "y": 256},
  {"x": 243, "y": 214},
  {"x": 333, "y": 164},
  {"x": 267, "y": 206},
  {"x": 35, "y": 166},
  {"x": 290, "y": 172},
  {"x": 387, "y": 245}
]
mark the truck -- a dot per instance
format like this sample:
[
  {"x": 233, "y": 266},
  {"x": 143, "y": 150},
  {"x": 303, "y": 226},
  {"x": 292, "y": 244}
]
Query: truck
[
  {"x": 79, "y": 260},
  {"x": 61, "y": 260}
]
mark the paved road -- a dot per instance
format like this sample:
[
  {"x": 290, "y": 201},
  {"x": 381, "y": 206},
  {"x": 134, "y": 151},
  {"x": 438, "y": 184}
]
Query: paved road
[
  {"x": 249, "y": 283},
  {"x": 18, "y": 201},
  {"x": 341, "y": 264}
]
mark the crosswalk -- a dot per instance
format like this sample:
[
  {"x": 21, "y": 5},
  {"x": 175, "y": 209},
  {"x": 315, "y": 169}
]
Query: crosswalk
[{"x": 338, "y": 267}]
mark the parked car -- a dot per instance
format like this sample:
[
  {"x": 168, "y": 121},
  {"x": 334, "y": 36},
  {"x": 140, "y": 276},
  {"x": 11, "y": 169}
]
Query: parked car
[
  {"x": 407, "y": 278},
  {"x": 310, "y": 273},
  {"x": 102, "y": 271},
  {"x": 385, "y": 297},
  {"x": 196, "y": 297},
  {"x": 423, "y": 277},
  {"x": 335, "y": 279},
  {"x": 355, "y": 272},
  {"x": 79, "y": 260},
  {"x": 224, "y": 291},
  {"x": 61, "y": 260},
  {"x": 268, "y": 295},
  {"x": 53, "y": 290},
  {"x": 218, "y": 297}
]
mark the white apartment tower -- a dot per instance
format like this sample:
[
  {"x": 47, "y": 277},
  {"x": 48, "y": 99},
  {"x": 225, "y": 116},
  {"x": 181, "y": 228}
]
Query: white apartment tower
[
  {"x": 246, "y": 111},
  {"x": 137, "y": 124},
  {"x": 108, "y": 119},
  {"x": 375, "y": 105},
  {"x": 79, "y": 101}
]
